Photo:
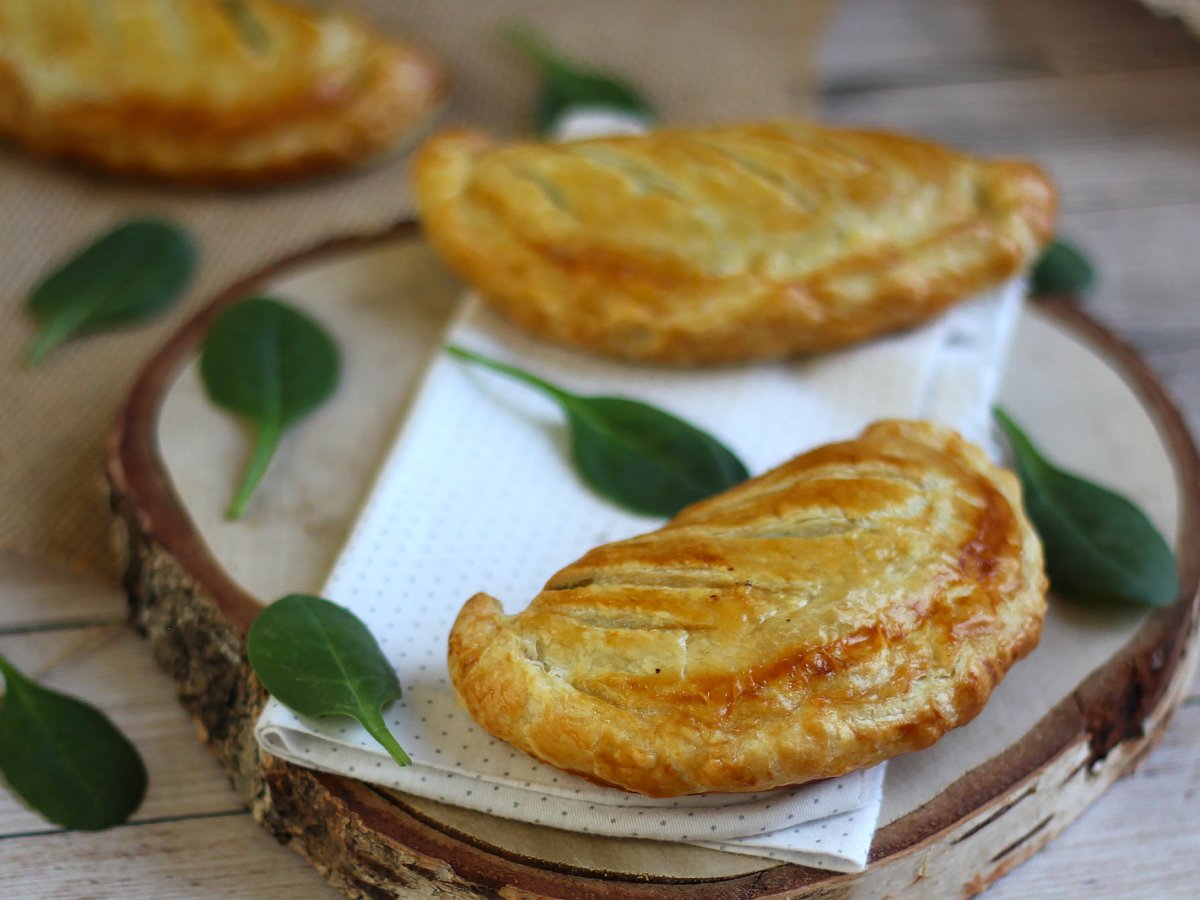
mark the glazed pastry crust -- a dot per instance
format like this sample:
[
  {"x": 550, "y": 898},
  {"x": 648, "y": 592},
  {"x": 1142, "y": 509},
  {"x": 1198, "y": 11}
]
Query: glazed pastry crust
[
  {"x": 855, "y": 603},
  {"x": 728, "y": 243},
  {"x": 175, "y": 90}
]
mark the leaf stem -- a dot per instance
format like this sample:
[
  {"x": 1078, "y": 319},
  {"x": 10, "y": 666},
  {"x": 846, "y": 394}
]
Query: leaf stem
[
  {"x": 245, "y": 21},
  {"x": 536, "y": 48},
  {"x": 265, "y": 444},
  {"x": 55, "y": 332},
  {"x": 378, "y": 730},
  {"x": 512, "y": 371},
  {"x": 1018, "y": 439}
]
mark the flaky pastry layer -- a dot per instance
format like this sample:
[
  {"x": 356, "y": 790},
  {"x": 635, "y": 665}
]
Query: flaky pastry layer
[
  {"x": 727, "y": 243},
  {"x": 183, "y": 91},
  {"x": 855, "y": 603}
]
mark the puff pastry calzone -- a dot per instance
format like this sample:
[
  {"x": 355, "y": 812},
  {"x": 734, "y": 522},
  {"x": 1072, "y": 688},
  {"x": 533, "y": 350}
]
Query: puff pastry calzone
[
  {"x": 729, "y": 243},
  {"x": 855, "y": 603},
  {"x": 202, "y": 90}
]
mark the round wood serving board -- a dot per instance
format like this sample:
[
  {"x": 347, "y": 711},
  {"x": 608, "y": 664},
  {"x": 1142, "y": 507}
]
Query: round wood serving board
[{"x": 1064, "y": 724}]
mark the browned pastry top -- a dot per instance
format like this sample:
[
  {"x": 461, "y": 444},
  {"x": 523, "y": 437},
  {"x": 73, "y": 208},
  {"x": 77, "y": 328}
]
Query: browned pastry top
[
  {"x": 726, "y": 243},
  {"x": 190, "y": 91},
  {"x": 855, "y": 603}
]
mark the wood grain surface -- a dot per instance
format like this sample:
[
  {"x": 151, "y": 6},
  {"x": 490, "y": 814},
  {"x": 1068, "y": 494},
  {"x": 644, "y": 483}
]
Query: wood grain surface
[{"x": 1101, "y": 93}]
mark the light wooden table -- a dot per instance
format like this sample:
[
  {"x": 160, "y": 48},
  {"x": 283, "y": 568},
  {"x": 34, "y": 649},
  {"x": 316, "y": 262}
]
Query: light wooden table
[{"x": 1105, "y": 96}]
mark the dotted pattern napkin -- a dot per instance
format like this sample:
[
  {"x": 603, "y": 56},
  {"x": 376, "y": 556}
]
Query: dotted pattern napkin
[{"x": 478, "y": 493}]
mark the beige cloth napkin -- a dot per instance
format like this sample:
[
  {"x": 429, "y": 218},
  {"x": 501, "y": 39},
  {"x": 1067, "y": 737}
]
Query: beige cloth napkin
[
  {"x": 700, "y": 60},
  {"x": 439, "y": 525}
]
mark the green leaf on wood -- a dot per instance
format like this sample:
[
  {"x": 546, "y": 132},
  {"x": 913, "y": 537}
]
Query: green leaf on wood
[
  {"x": 1062, "y": 271},
  {"x": 638, "y": 456},
  {"x": 128, "y": 275},
  {"x": 566, "y": 85},
  {"x": 271, "y": 364},
  {"x": 319, "y": 659},
  {"x": 65, "y": 758},
  {"x": 1098, "y": 545}
]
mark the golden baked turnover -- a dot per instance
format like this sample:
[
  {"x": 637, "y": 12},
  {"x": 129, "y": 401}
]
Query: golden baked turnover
[
  {"x": 728, "y": 243},
  {"x": 857, "y": 602},
  {"x": 206, "y": 90}
]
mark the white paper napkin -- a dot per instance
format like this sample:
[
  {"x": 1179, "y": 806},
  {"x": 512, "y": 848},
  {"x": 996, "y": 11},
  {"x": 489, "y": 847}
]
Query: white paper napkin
[{"x": 478, "y": 493}]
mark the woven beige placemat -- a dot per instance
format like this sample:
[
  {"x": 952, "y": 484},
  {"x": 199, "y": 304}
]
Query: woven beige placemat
[{"x": 700, "y": 60}]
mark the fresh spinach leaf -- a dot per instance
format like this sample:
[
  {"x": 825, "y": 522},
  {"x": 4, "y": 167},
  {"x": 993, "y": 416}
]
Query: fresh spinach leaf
[
  {"x": 638, "y": 456},
  {"x": 65, "y": 758},
  {"x": 1062, "y": 271},
  {"x": 129, "y": 274},
  {"x": 271, "y": 364},
  {"x": 1099, "y": 546},
  {"x": 566, "y": 85},
  {"x": 319, "y": 659}
]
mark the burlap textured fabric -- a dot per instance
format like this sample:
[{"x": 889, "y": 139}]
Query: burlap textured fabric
[{"x": 700, "y": 61}]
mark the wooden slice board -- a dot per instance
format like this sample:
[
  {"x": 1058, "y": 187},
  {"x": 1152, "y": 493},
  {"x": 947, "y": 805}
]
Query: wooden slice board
[{"x": 1064, "y": 724}]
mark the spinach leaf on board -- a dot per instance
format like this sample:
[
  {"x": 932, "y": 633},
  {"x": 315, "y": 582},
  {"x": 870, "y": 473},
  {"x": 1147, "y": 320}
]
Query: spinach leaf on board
[
  {"x": 1099, "y": 546},
  {"x": 129, "y": 274},
  {"x": 271, "y": 364},
  {"x": 319, "y": 659},
  {"x": 1062, "y": 271},
  {"x": 65, "y": 758},
  {"x": 638, "y": 456},
  {"x": 565, "y": 85}
]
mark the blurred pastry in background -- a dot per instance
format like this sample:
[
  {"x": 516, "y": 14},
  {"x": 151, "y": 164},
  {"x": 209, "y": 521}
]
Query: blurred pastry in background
[
  {"x": 727, "y": 243},
  {"x": 208, "y": 91}
]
